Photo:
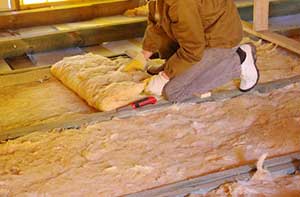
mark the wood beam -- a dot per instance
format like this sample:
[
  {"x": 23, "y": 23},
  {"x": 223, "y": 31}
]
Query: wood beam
[
  {"x": 280, "y": 40},
  {"x": 73, "y": 38},
  {"x": 64, "y": 14},
  {"x": 15, "y": 4},
  {"x": 4, "y": 67},
  {"x": 261, "y": 15}
]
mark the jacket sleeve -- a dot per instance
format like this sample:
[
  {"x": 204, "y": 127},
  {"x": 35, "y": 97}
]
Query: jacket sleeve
[
  {"x": 153, "y": 31},
  {"x": 187, "y": 29}
]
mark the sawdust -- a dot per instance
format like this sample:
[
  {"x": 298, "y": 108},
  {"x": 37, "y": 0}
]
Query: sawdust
[
  {"x": 128, "y": 155},
  {"x": 100, "y": 81}
]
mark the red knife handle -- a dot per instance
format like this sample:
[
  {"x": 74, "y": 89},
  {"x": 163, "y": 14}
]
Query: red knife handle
[{"x": 146, "y": 101}]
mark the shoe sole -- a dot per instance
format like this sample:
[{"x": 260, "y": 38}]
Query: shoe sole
[{"x": 258, "y": 74}]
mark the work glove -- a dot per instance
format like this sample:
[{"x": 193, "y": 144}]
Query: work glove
[
  {"x": 156, "y": 84},
  {"x": 154, "y": 70},
  {"x": 138, "y": 62}
]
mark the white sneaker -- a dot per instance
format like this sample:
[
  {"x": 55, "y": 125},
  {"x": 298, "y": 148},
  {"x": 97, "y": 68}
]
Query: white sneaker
[{"x": 249, "y": 71}]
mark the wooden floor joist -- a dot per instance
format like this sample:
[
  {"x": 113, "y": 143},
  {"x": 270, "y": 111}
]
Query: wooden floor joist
[
  {"x": 64, "y": 14},
  {"x": 120, "y": 30},
  {"x": 280, "y": 40},
  {"x": 93, "y": 35}
]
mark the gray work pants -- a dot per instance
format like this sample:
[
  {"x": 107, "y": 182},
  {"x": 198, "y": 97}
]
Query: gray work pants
[{"x": 217, "y": 67}]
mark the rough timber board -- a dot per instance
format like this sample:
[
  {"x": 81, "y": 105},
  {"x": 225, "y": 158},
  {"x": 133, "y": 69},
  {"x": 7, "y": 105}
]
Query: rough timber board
[
  {"x": 57, "y": 40},
  {"x": 35, "y": 31},
  {"x": 64, "y": 14},
  {"x": 99, "y": 50},
  {"x": 34, "y": 98},
  {"x": 23, "y": 70},
  {"x": 122, "y": 29},
  {"x": 272, "y": 37},
  {"x": 120, "y": 47},
  {"x": 59, "y": 15},
  {"x": 97, "y": 22},
  {"x": 22, "y": 76},
  {"x": 115, "y": 48},
  {"x": 4, "y": 67}
]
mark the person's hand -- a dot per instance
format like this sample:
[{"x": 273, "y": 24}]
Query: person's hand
[
  {"x": 138, "y": 62},
  {"x": 154, "y": 70},
  {"x": 156, "y": 84}
]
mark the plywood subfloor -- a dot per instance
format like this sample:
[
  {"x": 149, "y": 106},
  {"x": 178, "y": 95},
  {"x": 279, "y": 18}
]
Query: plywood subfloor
[{"x": 128, "y": 155}]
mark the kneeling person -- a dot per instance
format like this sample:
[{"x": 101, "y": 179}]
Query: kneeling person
[{"x": 200, "y": 42}]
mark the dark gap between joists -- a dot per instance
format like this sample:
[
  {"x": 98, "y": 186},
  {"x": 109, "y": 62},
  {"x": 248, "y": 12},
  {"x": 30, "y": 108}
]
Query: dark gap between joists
[{"x": 19, "y": 62}]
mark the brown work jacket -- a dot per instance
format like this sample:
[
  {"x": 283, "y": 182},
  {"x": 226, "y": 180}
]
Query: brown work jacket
[{"x": 194, "y": 25}]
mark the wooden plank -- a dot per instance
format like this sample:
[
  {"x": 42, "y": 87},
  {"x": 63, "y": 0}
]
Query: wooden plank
[
  {"x": 70, "y": 122},
  {"x": 23, "y": 70},
  {"x": 64, "y": 14},
  {"x": 120, "y": 30},
  {"x": 261, "y": 15},
  {"x": 99, "y": 50},
  {"x": 119, "y": 47},
  {"x": 4, "y": 67},
  {"x": 280, "y": 40},
  {"x": 52, "y": 4},
  {"x": 13, "y": 78},
  {"x": 137, "y": 41},
  {"x": 72, "y": 38},
  {"x": 15, "y": 4}
]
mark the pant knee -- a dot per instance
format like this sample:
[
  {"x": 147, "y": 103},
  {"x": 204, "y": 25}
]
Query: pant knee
[
  {"x": 173, "y": 94},
  {"x": 166, "y": 92}
]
